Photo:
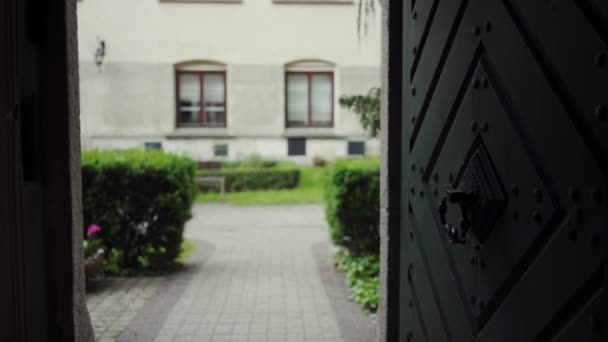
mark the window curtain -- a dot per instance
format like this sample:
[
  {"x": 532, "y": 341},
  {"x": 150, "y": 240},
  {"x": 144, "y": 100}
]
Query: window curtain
[
  {"x": 214, "y": 95},
  {"x": 189, "y": 98},
  {"x": 321, "y": 99},
  {"x": 297, "y": 100}
]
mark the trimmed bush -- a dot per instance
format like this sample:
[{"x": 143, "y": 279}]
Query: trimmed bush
[
  {"x": 352, "y": 194},
  {"x": 254, "y": 162},
  {"x": 243, "y": 179},
  {"x": 142, "y": 200}
]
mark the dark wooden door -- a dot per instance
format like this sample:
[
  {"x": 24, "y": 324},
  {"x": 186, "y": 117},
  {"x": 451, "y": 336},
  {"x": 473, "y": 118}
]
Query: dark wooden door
[
  {"x": 506, "y": 162},
  {"x": 11, "y": 304}
]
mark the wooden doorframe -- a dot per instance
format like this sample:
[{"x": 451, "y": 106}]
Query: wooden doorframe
[{"x": 391, "y": 169}]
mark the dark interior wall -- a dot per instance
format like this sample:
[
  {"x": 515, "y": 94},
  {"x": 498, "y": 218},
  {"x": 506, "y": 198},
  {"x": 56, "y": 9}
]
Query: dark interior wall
[
  {"x": 60, "y": 137},
  {"x": 49, "y": 157},
  {"x": 29, "y": 38},
  {"x": 391, "y": 207},
  {"x": 11, "y": 267},
  {"x": 56, "y": 178}
]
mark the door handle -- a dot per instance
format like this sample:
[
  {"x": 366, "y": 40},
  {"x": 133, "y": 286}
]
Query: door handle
[{"x": 457, "y": 233}]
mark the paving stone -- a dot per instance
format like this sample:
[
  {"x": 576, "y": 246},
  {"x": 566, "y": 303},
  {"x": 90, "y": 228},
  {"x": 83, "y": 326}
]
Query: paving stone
[
  {"x": 254, "y": 277},
  {"x": 260, "y": 280},
  {"x": 112, "y": 306}
]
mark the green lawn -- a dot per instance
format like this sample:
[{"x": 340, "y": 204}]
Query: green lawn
[
  {"x": 310, "y": 191},
  {"x": 187, "y": 248}
]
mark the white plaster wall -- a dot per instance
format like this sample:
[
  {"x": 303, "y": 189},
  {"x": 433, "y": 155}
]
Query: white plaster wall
[
  {"x": 131, "y": 98},
  {"x": 137, "y": 99},
  {"x": 251, "y": 32},
  {"x": 255, "y": 100},
  {"x": 127, "y": 99}
]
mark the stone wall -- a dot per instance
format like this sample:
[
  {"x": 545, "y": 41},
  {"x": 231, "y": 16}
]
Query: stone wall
[{"x": 391, "y": 171}]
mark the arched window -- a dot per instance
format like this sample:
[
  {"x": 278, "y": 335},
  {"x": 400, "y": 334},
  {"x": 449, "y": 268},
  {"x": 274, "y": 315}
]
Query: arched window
[
  {"x": 201, "y": 94},
  {"x": 309, "y": 94}
]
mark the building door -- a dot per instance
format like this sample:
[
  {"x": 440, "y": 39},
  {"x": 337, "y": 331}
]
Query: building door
[
  {"x": 10, "y": 180},
  {"x": 505, "y": 229}
]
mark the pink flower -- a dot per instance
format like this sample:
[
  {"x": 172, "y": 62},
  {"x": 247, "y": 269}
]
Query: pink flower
[{"x": 93, "y": 229}]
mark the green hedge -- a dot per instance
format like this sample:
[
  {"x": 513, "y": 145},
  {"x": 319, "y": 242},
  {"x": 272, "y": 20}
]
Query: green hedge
[
  {"x": 141, "y": 200},
  {"x": 243, "y": 179},
  {"x": 352, "y": 194},
  {"x": 256, "y": 162}
]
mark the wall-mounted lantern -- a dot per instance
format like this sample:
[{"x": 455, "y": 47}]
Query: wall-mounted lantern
[{"x": 100, "y": 52}]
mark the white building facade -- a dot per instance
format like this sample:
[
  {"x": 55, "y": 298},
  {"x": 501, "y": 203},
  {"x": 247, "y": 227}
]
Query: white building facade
[{"x": 226, "y": 79}]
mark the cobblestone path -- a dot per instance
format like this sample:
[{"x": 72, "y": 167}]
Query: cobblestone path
[{"x": 259, "y": 274}]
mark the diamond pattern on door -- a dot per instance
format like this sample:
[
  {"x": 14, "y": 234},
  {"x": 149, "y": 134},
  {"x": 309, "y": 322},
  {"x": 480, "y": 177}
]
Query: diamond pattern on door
[{"x": 519, "y": 89}]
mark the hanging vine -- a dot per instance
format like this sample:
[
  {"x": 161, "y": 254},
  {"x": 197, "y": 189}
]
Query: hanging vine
[{"x": 365, "y": 10}]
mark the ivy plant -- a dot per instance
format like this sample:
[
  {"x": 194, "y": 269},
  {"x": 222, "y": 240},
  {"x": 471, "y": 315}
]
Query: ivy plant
[{"x": 367, "y": 107}]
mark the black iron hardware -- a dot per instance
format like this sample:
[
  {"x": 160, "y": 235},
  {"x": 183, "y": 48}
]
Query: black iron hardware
[
  {"x": 100, "y": 53},
  {"x": 457, "y": 234},
  {"x": 480, "y": 198}
]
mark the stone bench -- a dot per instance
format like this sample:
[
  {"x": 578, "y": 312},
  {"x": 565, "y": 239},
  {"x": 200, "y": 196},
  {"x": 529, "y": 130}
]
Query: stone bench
[{"x": 201, "y": 181}]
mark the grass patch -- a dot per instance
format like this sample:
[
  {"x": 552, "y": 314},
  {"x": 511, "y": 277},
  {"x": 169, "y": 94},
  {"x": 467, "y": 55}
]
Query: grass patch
[
  {"x": 309, "y": 191},
  {"x": 186, "y": 250}
]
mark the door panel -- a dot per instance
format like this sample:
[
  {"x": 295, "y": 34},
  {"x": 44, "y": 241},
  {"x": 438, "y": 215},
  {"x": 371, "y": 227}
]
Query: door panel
[{"x": 506, "y": 153}]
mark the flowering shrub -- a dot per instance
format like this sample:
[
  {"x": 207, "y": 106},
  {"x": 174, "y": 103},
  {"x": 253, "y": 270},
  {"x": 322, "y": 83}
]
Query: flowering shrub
[
  {"x": 142, "y": 199},
  {"x": 93, "y": 245},
  {"x": 93, "y": 229}
]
